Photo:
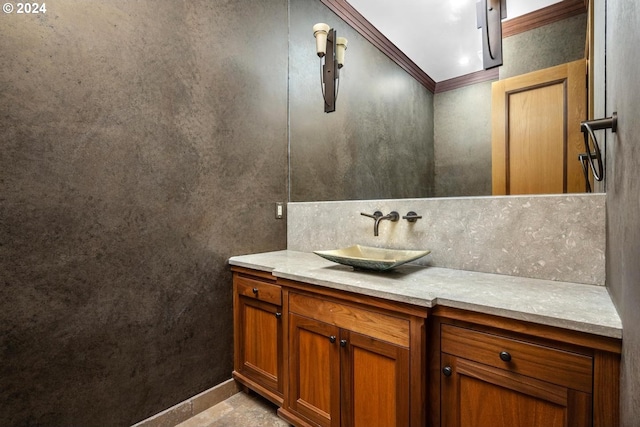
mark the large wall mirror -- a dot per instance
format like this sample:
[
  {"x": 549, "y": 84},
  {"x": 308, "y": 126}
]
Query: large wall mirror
[{"x": 396, "y": 136}]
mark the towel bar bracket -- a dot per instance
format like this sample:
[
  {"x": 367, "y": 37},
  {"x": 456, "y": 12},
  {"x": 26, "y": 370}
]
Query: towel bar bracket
[{"x": 594, "y": 158}]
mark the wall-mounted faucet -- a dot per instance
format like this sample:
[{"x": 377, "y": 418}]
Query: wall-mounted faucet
[{"x": 393, "y": 216}]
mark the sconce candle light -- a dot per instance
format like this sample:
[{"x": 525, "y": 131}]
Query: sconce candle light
[{"x": 331, "y": 50}]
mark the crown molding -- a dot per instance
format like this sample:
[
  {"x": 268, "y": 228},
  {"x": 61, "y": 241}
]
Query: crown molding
[
  {"x": 547, "y": 15},
  {"x": 467, "y": 79},
  {"x": 359, "y": 23},
  {"x": 556, "y": 12}
]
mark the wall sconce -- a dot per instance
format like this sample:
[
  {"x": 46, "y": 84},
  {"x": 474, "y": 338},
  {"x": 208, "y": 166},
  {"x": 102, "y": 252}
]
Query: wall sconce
[
  {"x": 489, "y": 14},
  {"x": 331, "y": 51}
]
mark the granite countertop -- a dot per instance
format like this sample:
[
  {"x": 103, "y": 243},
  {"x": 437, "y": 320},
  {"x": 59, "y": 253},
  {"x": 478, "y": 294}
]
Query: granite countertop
[{"x": 573, "y": 306}]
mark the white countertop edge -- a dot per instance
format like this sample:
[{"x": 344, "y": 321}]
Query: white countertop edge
[
  {"x": 300, "y": 267},
  {"x": 427, "y": 302},
  {"x": 239, "y": 263},
  {"x": 578, "y": 326}
]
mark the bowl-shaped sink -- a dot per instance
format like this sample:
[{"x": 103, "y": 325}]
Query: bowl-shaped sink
[{"x": 368, "y": 258}]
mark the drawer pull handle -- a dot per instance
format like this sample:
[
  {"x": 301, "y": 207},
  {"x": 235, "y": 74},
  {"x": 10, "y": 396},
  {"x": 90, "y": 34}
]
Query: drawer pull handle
[
  {"x": 447, "y": 371},
  {"x": 255, "y": 291},
  {"x": 332, "y": 339},
  {"x": 505, "y": 356},
  {"x": 278, "y": 315},
  {"x": 343, "y": 343}
]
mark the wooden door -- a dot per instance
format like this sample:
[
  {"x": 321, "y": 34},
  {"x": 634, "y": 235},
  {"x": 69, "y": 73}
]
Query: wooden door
[
  {"x": 536, "y": 136},
  {"x": 375, "y": 378},
  {"x": 314, "y": 370},
  {"x": 478, "y": 395}
]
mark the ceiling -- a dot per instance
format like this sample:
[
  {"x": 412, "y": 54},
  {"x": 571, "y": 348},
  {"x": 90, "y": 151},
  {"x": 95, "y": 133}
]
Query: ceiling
[{"x": 440, "y": 36}]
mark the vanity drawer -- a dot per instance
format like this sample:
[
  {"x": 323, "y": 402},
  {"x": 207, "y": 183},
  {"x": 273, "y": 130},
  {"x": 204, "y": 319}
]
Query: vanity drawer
[
  {"x": 257, "y": 289},
  {"x": 364, "y": 321},
  {"x": 549, "y": 364}
]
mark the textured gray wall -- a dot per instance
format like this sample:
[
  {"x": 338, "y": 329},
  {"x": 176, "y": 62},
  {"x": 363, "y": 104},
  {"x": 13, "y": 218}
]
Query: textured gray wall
[
  {"x": 143, "y": 143},
  {"x": 462, "y": 138},
  {"x": 544, "y": 47},
  {"x": 463, "y": 116},
  {"x": 623, "y": 192},
  {"x": 379, "y": 141}
]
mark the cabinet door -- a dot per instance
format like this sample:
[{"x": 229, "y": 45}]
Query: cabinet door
[
  {"x": 260, "y": 337},
  {"x": 375, "y": 382},
  {"x": 314, "y": 370},
  {"x": 478, "y": 395}
]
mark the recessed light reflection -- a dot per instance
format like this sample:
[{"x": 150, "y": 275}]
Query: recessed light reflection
[{"x": 456, "y": 8}]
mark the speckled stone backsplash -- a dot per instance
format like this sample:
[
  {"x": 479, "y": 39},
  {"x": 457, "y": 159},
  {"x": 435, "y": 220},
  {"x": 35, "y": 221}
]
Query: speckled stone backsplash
[{"x": 555, "y": 237}]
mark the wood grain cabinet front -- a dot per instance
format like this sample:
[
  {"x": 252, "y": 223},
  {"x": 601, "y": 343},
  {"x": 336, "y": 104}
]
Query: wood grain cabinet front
[
  {"x": 348, "y": 365},
  {"x": 494, "y": 380},
  {"x": 258, "y": 335},
  {"x": 492, "y": 371}
]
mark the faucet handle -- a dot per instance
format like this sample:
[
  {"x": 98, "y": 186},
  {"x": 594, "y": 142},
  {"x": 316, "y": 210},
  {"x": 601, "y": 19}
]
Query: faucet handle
[
  {"x": 376, "y": 214},
  {"x": 393, "y": 216},
  {"x": 411, "y": 216}
]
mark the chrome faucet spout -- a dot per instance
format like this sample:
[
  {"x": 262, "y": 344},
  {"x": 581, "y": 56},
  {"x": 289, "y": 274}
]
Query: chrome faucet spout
[
  {"x": 377, "y": 216},
  {"x": 393, "y": 216}
]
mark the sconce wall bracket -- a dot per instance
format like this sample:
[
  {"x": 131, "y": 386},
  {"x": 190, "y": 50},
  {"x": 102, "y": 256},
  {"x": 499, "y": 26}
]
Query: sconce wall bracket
[
  {"x": 331, "y": 50},
  {"x": 330, "y": 73},
  {"x": 489, "y": 16}
]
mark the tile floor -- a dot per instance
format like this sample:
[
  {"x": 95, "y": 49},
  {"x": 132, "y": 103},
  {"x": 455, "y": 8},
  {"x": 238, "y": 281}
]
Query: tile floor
[{"x": 240, "y": 410}]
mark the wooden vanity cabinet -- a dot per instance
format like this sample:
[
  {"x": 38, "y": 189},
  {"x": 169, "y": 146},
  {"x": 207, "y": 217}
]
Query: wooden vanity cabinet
[
  {"x": 500, "y": 377},
  {"x": 331, "y": 358},
  {"x": 258, "y": 330}
]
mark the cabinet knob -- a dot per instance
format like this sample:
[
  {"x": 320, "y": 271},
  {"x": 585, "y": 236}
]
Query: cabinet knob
[
  {"x": 255, "y": 291},
  {"x": 343, "y": 343},
  {"x": 447, "y": 371},
  {"x": 332, "y": 338},
  {"x": 278, "y": 315},
  {"x": 505, "y": 356}
]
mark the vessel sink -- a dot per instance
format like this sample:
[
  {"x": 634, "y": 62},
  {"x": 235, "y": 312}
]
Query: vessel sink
[{"x": 369, "y": 258}]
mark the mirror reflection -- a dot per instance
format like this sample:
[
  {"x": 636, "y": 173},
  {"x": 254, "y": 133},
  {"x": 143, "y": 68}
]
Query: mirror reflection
[{"x": 392, "y": 136}]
